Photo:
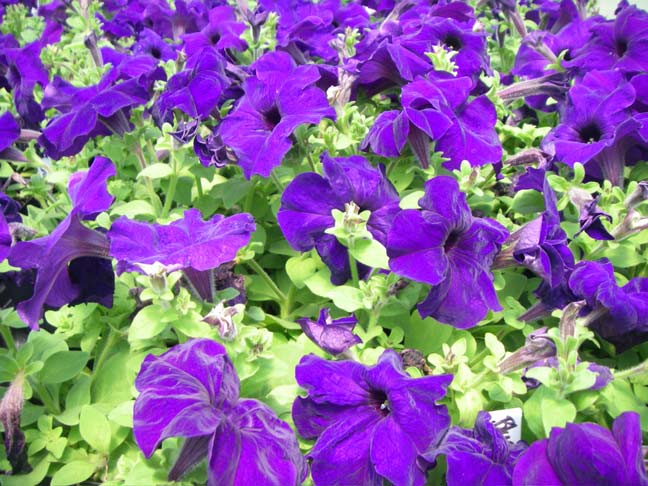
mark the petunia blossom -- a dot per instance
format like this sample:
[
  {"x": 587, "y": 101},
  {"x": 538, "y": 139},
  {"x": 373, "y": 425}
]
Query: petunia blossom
[
  {"x": 443, "y": 245},
  {"x": 192, "y": 391},
  {"x": 333, "y": 336},
  {"x": 481, "y": 456},
  {"x": 189, "y": 242},
  {"x": 371, "y": 424},
  {"x": 72, "y": 264},
  {"x": 307, "y": 202},
  {"x": 586, "y": 453},
  {"x": 280, "y": 97},
  {"x": 617, "y": 314}
]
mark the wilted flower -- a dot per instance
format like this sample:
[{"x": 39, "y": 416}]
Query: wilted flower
[
  {"x": 192, "y": 391},
  {"x": 71, "y": 263},
  {"x": 370, "y": 423},
  {"x": 445, "y": 246},
  {"x": 11, "y": 408},
  {"x": 586, "y": 454},
  {"x": 307, "y": 202},
  {"x": 333, "y": 336},
  {"x": 278, "y": 98},
  {"x": 481, "y": 456}
]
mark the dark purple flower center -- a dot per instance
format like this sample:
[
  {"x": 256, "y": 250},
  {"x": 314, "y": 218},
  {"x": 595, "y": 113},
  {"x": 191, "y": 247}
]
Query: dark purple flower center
[
  {"x": 155, "y": 52},
  {"x": 272, "y": 117},
  {"x": 621, "y": 47},
  {"x": 451, "y": 241},
  {"x": 378, "y": 400},
  {"x": 214, "y": 38},
  {"x": 590, "y": 133},
  {"x": 453, "y": 42}
]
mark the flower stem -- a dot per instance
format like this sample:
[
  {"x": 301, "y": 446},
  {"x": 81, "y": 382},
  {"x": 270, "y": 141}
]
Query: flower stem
[
  {"x": 46, "y": 397},
  {"x": 353, "y": 268},
  {"x": 173, "y": 182},
  {"x": 155, "y": 200},
  {"x": 199, "y": 186},
  {"x": 111, "y": 340},
  {"x": 276, "y": 181},
  {"x": 635, "y": 370},
  {"x": 5, "y": 332},
  {"x": 264, "y": 275}
]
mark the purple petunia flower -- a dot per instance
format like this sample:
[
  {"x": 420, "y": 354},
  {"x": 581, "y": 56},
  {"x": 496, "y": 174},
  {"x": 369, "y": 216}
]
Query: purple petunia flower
[
  {"x": 222, "y": 32},
  {"x": 445, "y": 246},
  {"x": 541, "y": 244},
  {"x": 71, "y": 264},
  {"x": 619, "y": 44},
  {"x": 360, "y": 416},
  {"x": 333, "y": 336},
  {"x": 307, "y": 202},
  {"x": 481, "y": 456},
  {"x": 586, "y": 454},
  {"x": 438, "y": 110},
  {"x": 195, "y": 91},
  {"x": 192, "y": 391},
  {"x": 102, "y": 109},
  {"x": 187, "y": 243},
  {"x": 618, "y": 314},
  {"x": 590, "y": 215},
  {"x": 278, "y": 99},
  {"x": 596, "y": 127},
  {"x": 150, "y": 43}
]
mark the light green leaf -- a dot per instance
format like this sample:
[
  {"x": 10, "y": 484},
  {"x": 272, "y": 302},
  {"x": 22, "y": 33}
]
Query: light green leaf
[
  {"x": 370, "y": 252},
  {"x": 149, "y": 322},
  {"x": 94, "y": 428},
  {"x": 156, "y": 171},
  {"x": 63, "y": 366},
  {"x": 74, "y": 472}
]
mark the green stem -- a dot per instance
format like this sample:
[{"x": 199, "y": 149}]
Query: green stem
[
  {"x": 155, "y": 200},
  {"x": 277, "y": 182},
  {"x": 5, "y": 332},
  {"x": 249, "y": 198},
  {"x": 283, "y": 298},
  {"x": 111, "y": 340},
  {"x": 353, "y": 267},
  {"x": 173, "y": 182},
  {"x": 635, "y": 370},
  {"x": 199, "y": 186},
  {"x": 46, "y": 397}
]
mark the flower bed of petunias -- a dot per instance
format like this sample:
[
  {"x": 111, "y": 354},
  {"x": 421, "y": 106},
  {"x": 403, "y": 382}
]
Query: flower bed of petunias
[{"x": 334, "y": 243}]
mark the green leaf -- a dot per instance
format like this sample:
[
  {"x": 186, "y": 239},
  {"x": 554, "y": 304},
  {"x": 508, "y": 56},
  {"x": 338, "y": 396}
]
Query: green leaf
[
  {"x": 63, "y": 366},
  {"x": 122, "y": 414},
  {"x": 528, "y": 202},
  {"x": 149, "y": 322},
  {"x": 74, "y": 472},
  {"x": 370, "y": 252},
  {"x": 94, "y": 428},
  {"x": 346, "y": 298},
  {"x": 112, "y": 382},
  {"x": 301, "y": 268},
  {"x": 34, "y": 478},
  {"x": 493, "y": 344},
  {"x": 557, "y": 412},
  {"x": 156, "y": 171}
]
